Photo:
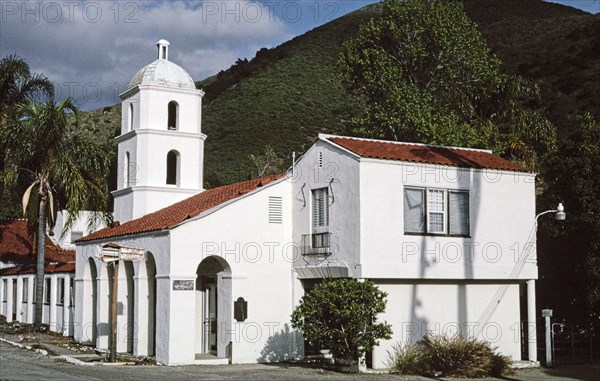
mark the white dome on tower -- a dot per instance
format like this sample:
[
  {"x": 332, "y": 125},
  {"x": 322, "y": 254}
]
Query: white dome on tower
[{"x": 163, "y": 72}]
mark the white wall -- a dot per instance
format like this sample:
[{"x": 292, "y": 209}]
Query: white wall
[
  {"x": 53, "y": 313},
  {"x": 486, "y": 311},
  {"x": 502, "y": 215},
  {"x": 260, "y": 256},
  {"x": 157, "y": 247},
  {"x": 344, "y": 210}
]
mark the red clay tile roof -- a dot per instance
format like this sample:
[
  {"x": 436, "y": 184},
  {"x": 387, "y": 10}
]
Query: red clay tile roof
[
  {"x": 419, "y": 153},
  {"x": 31, "y": 268},
  {"x": 16, "y": 245},
  {"x": 172, "y": 215}
]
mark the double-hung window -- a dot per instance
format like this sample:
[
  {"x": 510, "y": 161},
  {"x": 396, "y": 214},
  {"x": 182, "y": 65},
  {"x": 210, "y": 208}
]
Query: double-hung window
[
  {"x": 320, "y": 210},
  {"x": 436, "y": 211},
  {"x": 320, "y": 236}
]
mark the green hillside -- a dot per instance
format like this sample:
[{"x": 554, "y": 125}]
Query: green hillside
[{"x": 285, "y": 96}]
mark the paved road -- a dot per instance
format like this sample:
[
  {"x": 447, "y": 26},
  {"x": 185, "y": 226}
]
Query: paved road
[{"x": 20, "y": 364}]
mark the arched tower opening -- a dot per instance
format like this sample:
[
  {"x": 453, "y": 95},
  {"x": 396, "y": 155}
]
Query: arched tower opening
[{"x": 173, "y": 159}]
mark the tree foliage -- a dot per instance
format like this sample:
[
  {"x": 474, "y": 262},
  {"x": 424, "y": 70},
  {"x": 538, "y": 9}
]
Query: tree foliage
[
  {"x": 426, "y": 75},
  {"x": 45, "y": 153},
  {"x": 341, "y": 315},
  {"x": 17, "y": 85},
  {"x": 64, "y": 170},
  {"x": 570, "y": 175}
]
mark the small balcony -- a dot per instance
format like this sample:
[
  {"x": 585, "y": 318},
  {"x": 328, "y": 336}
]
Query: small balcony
[{"x": 316, "y": 244}]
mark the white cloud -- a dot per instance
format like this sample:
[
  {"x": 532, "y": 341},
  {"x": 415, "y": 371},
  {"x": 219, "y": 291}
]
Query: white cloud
[{"x": 95, "y": 45}]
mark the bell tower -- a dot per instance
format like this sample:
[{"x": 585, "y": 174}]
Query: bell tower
[{"x": 161, "y": 146}]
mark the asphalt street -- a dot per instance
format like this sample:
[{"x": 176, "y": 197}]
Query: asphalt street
[{"x": 21, "y": 364}]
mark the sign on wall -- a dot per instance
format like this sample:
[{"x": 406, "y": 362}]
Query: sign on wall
[{"x": 183, "y": 285}]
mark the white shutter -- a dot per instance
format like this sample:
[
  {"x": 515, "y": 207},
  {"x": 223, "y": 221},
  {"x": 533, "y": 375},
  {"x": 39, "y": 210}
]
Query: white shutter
[
  {"x": 459, "y": 213},
  {"x": 414, "y": 210}
]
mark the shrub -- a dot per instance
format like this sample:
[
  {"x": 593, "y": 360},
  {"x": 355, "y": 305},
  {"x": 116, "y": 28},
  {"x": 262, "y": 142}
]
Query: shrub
[
  {"x": 454, "y": 356},
  {"x": 458, "y": 356},
  {"x": 341, "y": 315},
  {"x": 407, "y": 359}
]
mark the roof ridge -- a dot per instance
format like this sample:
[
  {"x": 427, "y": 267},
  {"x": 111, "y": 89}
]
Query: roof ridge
[{"x": 329, "y": 136}]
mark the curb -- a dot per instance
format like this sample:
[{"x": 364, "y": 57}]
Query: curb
[{"x": 69, "y": 359}]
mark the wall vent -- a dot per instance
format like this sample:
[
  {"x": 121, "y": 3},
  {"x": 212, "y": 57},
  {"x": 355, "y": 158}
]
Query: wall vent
[{"x": 275, "y": 210}]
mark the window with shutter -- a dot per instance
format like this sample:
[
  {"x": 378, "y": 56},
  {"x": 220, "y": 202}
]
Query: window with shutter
[
  {"x": 320, "y": 210},
  {"x": 436, "y": 211}
]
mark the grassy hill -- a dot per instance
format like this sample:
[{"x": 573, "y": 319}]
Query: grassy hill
[
  {"x": 284, "y": 98},
  {"x": 286, "y": 95}
]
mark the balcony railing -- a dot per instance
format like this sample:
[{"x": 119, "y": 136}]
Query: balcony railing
[{"x": 316, "y": 244}]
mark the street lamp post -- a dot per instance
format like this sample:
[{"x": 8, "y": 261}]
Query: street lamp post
[{"x": 560, "y": 216}]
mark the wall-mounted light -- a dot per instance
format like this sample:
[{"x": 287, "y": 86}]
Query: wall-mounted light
[{"x": 560, "y": 213}]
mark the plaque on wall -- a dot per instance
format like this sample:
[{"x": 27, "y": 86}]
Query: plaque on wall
[
  {"x": 182, "y": 285},
  {"x": 240, "y": 309}
]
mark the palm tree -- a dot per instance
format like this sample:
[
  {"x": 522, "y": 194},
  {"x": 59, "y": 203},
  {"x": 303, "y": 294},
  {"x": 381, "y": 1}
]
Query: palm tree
[
  {"x": 66, "y": 168},
  {"x": 18, "y": 84}
]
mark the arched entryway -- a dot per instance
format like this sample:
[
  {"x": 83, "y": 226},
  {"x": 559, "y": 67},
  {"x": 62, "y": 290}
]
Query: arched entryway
[{"x": 213, "y": 307}]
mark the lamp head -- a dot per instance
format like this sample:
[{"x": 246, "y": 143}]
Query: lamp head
[{"x": 560, "y": 212}]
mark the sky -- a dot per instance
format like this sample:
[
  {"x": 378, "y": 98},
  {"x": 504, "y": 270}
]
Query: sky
[{"x": 91, "y": 49}]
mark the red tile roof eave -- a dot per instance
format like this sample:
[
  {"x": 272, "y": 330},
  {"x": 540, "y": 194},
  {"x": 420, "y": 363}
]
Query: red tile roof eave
[
  {"x": 55, "y": 268},
  {"x": 403, "y": 152},
  {"x": 108, "y": 239},
  {"x": 185, "y": 210},
  {"x": 524, "y": 170}
]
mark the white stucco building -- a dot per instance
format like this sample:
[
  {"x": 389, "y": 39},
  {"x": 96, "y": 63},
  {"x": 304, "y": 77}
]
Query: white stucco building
[{"x": 446, "y": 232}]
